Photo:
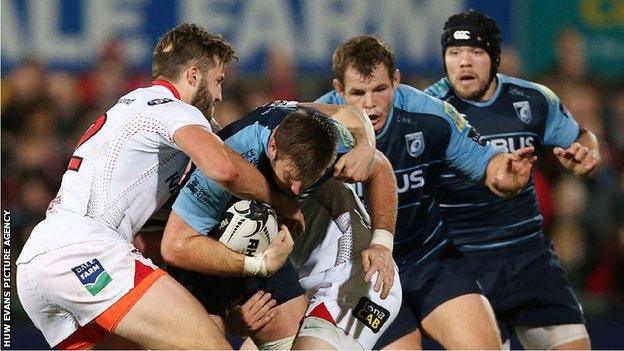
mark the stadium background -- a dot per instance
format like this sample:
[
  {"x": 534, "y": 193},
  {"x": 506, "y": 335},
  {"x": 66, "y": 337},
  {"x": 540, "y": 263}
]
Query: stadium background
[{"x": 64, "y": 62}]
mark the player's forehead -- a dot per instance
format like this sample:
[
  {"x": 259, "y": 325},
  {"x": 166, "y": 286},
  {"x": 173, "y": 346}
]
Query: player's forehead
[
  {"x": 463, "y": 48},
  {"x": 355, "y": 80},
  {"x": 218, "y": 69}
]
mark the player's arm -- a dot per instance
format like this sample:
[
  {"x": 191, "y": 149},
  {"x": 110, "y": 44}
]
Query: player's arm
[
  {"x": 583, "y": 156},
  {"x": 508, "y": 173},
  {"x": 232, "y": 172},
  {"x": 576, "y": 148},
  {"x": 356, "y": 165},
  {"x": 383, "y": 206},
  {"x": 183, "y": 247}
]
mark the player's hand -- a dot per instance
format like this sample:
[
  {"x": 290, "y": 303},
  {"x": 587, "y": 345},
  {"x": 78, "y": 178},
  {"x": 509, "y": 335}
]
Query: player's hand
[
  {"x": 378, "y": 258},
  {"x": 277, "y": 252},
  {"x": 356, "y": 165},
  {"x": 255, "y": 313},
  {"x": 515, "y": 171},
  {"x": 578, "y": 159}
]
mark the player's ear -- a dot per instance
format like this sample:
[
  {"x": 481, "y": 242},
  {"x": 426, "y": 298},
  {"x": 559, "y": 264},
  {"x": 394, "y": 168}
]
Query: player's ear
[
  {"x": 272, "y": 149},
  {"x": 193, "y": 76},
  {"x": 396, "y": 78},
  {"x": 338, "y": 87}
]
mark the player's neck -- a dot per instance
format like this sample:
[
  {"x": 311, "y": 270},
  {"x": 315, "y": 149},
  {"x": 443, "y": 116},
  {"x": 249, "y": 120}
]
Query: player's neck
[
  {"x": 179, "y": 90},
  {"x": 490, "y": 90}
]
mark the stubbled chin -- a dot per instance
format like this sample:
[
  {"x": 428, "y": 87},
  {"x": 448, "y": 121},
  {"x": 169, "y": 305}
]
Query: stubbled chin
[{"x": 378, "y": 125}]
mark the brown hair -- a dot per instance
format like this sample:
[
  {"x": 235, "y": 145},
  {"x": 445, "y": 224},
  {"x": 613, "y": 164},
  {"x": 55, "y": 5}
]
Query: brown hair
[
  {"x": 364, "y": 53},
  {"x": 189, "y": 44},
  {"x": 308, "y": 139}
]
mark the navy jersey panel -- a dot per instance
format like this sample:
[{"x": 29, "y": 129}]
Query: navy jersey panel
[
  {"x": 519, "y": 114},
  {"x": 421, "y": 136}
]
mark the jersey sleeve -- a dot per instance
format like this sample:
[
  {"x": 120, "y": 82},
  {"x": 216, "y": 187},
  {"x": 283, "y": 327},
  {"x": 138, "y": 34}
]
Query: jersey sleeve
[
  {"x": 201, "y": 203},
  {"x": 467, "y": 151},
  {"x": 331, "y": 98},
  {"x": 440, "y": 89},
  {"x": 561, "y": 128}
]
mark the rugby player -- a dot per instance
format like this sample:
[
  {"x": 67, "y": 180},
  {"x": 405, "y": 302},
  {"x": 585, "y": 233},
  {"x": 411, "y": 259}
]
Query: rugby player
[
  {"x": 294, "y": 143},
  {"x": 420, "y": 134},
  {"x": 79, "y": 278},
  {"x": 502, "y": 238}
]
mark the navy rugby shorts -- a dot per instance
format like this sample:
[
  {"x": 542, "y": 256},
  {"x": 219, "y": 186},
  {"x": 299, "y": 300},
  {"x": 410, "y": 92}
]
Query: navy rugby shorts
[
  {"x": 526, "y": 285},
  {"x": 426, "y": 285}
]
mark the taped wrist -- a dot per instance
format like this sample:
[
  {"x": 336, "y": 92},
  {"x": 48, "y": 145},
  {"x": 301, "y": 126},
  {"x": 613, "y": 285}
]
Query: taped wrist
[
  {"x": 254, "y": 266},
  {"x": 383, "y": 237}
]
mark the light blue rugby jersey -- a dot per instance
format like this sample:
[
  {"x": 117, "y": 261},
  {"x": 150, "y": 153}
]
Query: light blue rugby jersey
[
  {"x": 520, "y": 114},
  {"x": 202, "y": 202},
  {"x": 421, "y": 136}
]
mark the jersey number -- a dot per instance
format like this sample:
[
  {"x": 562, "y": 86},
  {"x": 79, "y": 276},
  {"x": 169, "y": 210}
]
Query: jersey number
[{"x": 76, "y": 161}]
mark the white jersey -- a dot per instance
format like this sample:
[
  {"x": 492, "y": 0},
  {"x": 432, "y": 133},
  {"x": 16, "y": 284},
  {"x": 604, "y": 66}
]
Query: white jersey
[
  {"x": 328, "y": 260},
  {"x": 125, "y": 167}
]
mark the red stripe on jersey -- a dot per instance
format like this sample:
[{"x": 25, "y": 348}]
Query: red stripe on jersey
[
  {"x": 74, "y": 163},
  {"x": 169, "y": 86},
  {"x": 321, "y": 311}
]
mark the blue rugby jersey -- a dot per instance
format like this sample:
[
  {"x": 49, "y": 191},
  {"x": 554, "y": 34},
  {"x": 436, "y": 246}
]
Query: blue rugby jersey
[
  {"x": 421, "y": 136},
  {"x": 520, "y": 114},
  {"x": 202, "y": 202}
]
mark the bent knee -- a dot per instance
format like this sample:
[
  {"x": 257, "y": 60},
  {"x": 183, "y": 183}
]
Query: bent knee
[{"x": 559, "y": 337}]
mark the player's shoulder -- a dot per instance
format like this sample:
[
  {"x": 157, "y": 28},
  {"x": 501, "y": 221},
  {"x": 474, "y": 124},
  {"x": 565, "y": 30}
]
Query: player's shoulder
[
  {"x": 331, "y": 97},
  {"x": 516, "y": 85},
  {"x": 267, "y": 116},
  {"x": 440, "y": 89},
  {"x": 157, "y": 100},
  {"x": 416, "y": 102}
]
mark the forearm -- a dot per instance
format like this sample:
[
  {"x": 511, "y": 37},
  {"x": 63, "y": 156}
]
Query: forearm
[
  {"x": 353, "y": 118},
  {"x": 184, "y": 248},
  {"x": 492, "y": 174},
  {"x": 589, "y": 140},
  {"x": 379, "y": 194},
  {"x": 222, "y": 164}
]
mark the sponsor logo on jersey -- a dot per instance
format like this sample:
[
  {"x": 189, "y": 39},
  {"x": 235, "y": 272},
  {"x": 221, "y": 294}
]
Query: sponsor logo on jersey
[
  {"x": 458, "y": 119},
  {"x": 409, "y": 180},
  {"x": 415, "y": 143},
  {"x": 518, "y": 92},
  {"x": 92, "y": 276},
  {"x": 371, "y": 314},
  {"x": 474, "y": 135},
  {"x": 461, "y": 35},
  {"x": 523, "y": 111},
  {"x": 159, "y": 101},
  {"x": 406, "y": 181},
  {"x": 125, "y": 101},
  {"x": 512, "y": 144}
]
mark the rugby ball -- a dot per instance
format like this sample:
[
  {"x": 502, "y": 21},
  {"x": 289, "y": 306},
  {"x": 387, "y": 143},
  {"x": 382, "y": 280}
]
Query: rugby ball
[{"x": 248, "y": 227}]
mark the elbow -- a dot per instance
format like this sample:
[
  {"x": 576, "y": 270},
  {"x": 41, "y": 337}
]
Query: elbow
[
  {"x": 172, "y": 252},
  {"x": 225, "y": 173}
]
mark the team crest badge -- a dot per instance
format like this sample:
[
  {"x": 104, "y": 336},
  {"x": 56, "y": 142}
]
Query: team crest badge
[
  {"x": 523, "y": 111},
  {"x": 93, "y": 276},
  {"x": 415, "y": 143}
]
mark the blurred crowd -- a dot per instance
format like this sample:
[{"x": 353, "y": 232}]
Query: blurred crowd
[{"x": 44, "y": 112}]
